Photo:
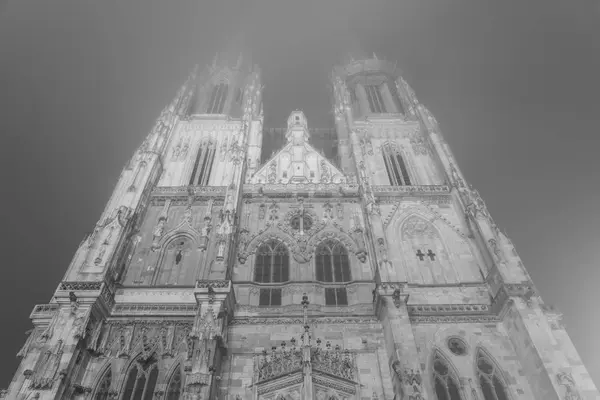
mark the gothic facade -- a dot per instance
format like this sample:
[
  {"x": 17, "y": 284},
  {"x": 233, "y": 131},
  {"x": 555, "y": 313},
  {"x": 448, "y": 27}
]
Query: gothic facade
[{"x": 214, "y": 273}]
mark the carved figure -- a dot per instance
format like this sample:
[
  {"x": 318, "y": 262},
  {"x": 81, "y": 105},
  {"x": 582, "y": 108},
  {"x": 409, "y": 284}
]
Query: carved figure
[
  {"x": 566, "y": 380},
  {"x": 274, "y": 213},
  {"x": 325, "y": 173},
  {"x": 272, "y": 176},
  {"x": 327, "y": 211},
  {"x": 158, "y": 232},
  {"x": 496, "y": 250}
]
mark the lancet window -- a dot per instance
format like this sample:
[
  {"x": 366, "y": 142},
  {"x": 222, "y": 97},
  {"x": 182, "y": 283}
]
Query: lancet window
[
  {"x": 203, "y": 165},
  {"x": 141, "y": 380},
  {"x": 333, "y": 265},
  {"x": 395, "y": 166},
  {"x": 217, "y": 99},
  {"x": 491, "y": 384},
  {"x": 375, "y": 98},
  {"x": 272, "y": 265},
  {"x": 174, "y": 262},
  {"x": 102, "y": 391},
  {"x": 174, "y": 389},
  {"x": 445, "y": 383}
]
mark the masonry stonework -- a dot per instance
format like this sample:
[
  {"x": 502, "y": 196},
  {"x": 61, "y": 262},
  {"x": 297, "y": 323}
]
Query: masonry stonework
[{"x": 376, "y": 275}]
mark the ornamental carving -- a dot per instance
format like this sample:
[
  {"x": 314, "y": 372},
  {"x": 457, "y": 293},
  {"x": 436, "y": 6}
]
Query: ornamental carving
[
  {"x": 125, "y": 339},
  {"x": 565, "y": 379},
  {"x": 45, "y": 372},
  {"x": 419, "y": 144},
  {"x": 416, "y": 226}
]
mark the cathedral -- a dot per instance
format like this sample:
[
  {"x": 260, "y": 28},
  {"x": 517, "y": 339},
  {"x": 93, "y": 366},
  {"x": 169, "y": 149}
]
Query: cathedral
[{"x": 367, "y": 271}]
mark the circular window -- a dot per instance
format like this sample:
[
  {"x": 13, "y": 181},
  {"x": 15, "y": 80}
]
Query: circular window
[
  {"x": 457, "y": 346},
  {"x": 304, "y": 223}
]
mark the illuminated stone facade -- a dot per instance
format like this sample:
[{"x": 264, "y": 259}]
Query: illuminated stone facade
[{"x": 378, "y": 275}]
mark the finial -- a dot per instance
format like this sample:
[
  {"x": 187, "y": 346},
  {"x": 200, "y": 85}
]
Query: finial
[{"x": 305, "y": 301}]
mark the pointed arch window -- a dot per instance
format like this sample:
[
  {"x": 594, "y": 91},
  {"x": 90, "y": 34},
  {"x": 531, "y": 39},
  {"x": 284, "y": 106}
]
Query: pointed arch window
[
  {"x": 203, "y": 165},
  {"x": 375, "y": 99},
  {"x": 445, "y": 383},
  {"x": 333, "y": 265},
  {"x": 174, "y": 389},
  {"x": 141, "y": 380},
  {"x": 395, "y": 166},
  {"x": 103, "y": 389},
  {"x": 490, "y": 381},
  {"x": 272, "y": 265},
  {"x": 217, "y": 99},
  {"x": 174, "y": 262}
]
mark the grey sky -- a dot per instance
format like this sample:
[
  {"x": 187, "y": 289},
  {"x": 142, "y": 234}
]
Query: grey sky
[{"x": 513, "y": 84}]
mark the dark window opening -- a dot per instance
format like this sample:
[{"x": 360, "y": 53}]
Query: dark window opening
[
  {"x": 269, "y": 297},
  {"x": 395, "y": 167},
  {"x": 271, "y": 263},
  {"x": 375, "y": 99}
]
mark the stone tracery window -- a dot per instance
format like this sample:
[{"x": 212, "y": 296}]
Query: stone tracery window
[
  {"x": 102, "y": 391},
  {"x": 217, "y": 99},
  {"x": 490, "y": 381},
  {"x": 174, "y": 389},
  {"x": 333, "y": 265},
  {"x": 395, "y": 166},
  {"x": 445, "y": 383},
  {"x": 272, "y": 265},
  {"x": 141, "y": 380},
  {"x": 375, "y": 98},
  {"x": 203, "y": 165}
]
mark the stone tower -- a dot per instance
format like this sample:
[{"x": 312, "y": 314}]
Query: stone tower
[{"x": 381, "y": 275}]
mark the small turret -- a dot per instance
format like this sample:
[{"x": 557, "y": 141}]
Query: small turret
[{"x": 297, "y": 128}]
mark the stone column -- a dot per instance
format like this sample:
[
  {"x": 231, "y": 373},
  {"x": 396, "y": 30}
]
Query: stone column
[
  {"x": 216, "y": 302},
  {"x": 49, "y": 357},
  {"x": 400, "y": 342}
]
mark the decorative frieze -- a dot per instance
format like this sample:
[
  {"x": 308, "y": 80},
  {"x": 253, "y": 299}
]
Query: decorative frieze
[
  {"x": 44, "y": 311},
  {"x": 155, "y": 309},
  {"x": 280, "y": 190},
  {"x": 184, "y": 191},
  {"x": 79, "y": 286},
  {"x": 455, "y": 319},
  {"x": 411, "y": 190},
  {"x": 315, "y": 321},
  {"x": 357, "y": 309},
  {"x": 448, "y": 309}
]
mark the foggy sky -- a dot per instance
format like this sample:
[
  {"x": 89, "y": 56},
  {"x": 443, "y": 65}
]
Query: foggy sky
[{"x": 514, "y": 85}]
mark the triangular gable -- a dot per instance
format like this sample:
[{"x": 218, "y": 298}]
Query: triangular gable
[{"x": 314, "y": 168}]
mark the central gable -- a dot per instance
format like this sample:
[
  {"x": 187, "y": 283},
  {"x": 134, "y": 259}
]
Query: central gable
[{"x": 298, "y": 161}]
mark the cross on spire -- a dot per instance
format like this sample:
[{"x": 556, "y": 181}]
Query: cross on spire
[{"x": 420, "y": 254}]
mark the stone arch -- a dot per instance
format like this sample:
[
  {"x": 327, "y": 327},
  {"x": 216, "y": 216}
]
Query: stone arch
[
  {"x": 261, "y": 238},
  {"x": 481, "y": 352},
  {"x": 170, "y": 373},
  {"x": 340, "y": 236},
  {"x": 183, "y": 246},
  {"x": 101, "y": 378},
  {"x": 128, "y": 368},
  {"x": 255, "y": 242},
  {"x": 182, "y": 231},
  {"x": 425, "y": 252},
  {"x": 436, "y": 358}
]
